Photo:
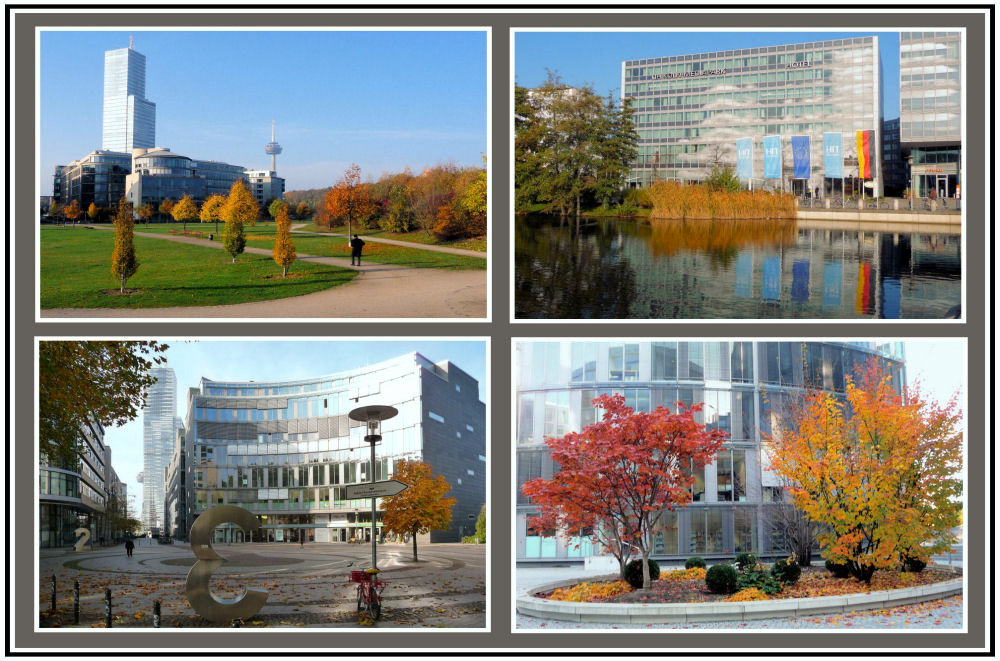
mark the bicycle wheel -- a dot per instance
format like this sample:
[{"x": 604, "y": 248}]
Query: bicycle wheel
[
  {"x": 360, "y": 602},
  {"x": 374, "y": 605}
]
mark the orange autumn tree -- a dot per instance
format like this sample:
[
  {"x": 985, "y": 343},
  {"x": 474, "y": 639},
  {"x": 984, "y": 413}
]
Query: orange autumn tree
[
  {"x": 185, "y": 210},
  {"x": 349, "y": 199},
  {"x": 420, "y": 508},
  {"x": 618, "y": 475},
  {"x": 284, "y": 248},
  {"x": 879, "y": 469}
]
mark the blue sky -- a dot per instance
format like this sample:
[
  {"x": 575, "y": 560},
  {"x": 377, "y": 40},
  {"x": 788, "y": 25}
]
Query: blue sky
[
  {"x": 384, "y": 100},
  {"x": 277, "y": 360},
  {"x": 596, "y": 57}
]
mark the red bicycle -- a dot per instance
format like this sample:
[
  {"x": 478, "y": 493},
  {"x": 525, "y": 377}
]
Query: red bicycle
[{"x": 369, "y": 592}]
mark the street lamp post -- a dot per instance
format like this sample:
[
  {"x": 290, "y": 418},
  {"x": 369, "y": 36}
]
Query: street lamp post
[{"x": 373, "y": 416}]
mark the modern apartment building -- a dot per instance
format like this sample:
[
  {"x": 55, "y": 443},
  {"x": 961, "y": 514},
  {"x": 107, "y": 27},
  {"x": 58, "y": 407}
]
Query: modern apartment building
[
  {"x": 129, "y": 119},
  {"x": 691, "y": 109},
  {"x": 265, "y": 185},
  {"x": 744, "y": 386},
  {"x": 74, "y": 495},
  {"x": 286, "y": 450},
  {"x": 159, "y": 429},
  {"x": 158, "y": 174},
  {"x": 930, "y": 107}
]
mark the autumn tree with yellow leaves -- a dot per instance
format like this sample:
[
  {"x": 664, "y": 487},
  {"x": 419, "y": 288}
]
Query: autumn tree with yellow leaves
[
  {"x": 92, "y": 212},
  {"x": 123, "y": 261},
  {"x": 211, "y": 210},
  {"x": 72, "y": 211},
  {"x": 185, "y": 210},
  {"x": 284, "y": 248},
  {"x": 166, "y": 206},
  {"x": 239, "y": 210},
  {"x": 420, "y": 508},
  {"x": 349, "y": 199},
  {"x": 879, "y": 469}
]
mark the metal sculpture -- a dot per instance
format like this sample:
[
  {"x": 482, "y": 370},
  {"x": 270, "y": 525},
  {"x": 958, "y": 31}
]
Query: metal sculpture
[
  {"x": 84, "y": 536},
  {"x": 199, "y": 594}
]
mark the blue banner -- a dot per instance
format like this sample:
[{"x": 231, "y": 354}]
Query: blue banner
[
  {"x": 772, "y": 157},
  {"x": 744, "y": 158},
  {"x": 801, "y": 164},
  {"x": 771, "y": 287},
  {"x": 833, "y": 155}
]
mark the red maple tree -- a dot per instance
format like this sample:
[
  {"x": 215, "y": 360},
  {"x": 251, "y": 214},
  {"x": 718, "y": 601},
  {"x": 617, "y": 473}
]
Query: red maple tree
[{"x": 618, "y": 475}]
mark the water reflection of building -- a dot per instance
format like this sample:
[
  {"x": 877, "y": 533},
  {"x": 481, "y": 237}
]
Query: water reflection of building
[{"x": 744, "y": 386}]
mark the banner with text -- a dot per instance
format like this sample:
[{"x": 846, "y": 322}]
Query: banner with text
[
  {"x": 772, "y": 157},
  {"x": 833, "y": 155},
  {"x": 801, "y": 163},
  {"x": 744, "y": 158}
]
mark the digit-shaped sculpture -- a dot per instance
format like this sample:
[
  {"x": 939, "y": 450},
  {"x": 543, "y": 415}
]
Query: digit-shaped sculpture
[
  {"x": 84, "y": 536},
  {"x": 199, "y": 594}
]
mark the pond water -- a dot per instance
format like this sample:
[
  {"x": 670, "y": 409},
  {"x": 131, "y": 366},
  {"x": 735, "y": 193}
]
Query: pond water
[{"x": 607, "y": 268}]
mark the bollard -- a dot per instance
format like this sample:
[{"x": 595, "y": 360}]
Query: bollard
[
  {"x": 156, "y": 615},
  {"x": 53, "y": 591},
  {"x": 107, "y": 607},
  {"x": 76, "y": 602}
]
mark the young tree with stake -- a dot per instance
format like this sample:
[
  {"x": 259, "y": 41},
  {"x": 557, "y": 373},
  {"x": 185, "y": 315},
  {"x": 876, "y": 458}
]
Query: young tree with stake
[
  {"x": 123, "y": 261},
  {"x": 420, "y": 508},
  {"x": 284, "y": 248}
]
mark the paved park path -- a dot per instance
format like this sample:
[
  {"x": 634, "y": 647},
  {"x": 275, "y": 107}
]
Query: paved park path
[
  {"x": 379, "y": 291},
  {"x": 297, "y": 229}
]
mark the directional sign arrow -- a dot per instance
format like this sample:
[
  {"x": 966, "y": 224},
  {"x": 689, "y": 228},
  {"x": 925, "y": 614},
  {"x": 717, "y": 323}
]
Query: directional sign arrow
[{"x": 375, "y": 490}]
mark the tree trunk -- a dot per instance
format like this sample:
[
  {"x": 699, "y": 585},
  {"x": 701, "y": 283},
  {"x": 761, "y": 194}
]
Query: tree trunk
[
  {"x": 414, "y": 535},
  {"x": 645, "y": 570},
  {"x": 123, "y": 284},
  {"x": 284, "y": 271},
  {"x": 578, "y": 204}
]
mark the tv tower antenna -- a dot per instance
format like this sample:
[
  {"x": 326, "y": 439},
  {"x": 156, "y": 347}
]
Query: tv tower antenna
[{"x": 272, "y": 148}]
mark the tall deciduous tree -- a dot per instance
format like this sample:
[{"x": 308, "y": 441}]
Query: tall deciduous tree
[
  {"x": 166, "y": 206},
  {"x": 211, "y": 210},
  {"x": 284, "y": 248},
  {"x": 349, "y": 199},
  {"x": 240, "y": 209},
  {"x": 123, "y": 261},
  {"x": 618, "y": 475},
  {"x": 185, "y": 210},
  {"x": 274, "y": 208},
  {"x": 81, "y": 381},
  {"x": 92, "y": 212},
  {"x": 879, "y": 468},
  {"x": 72, "y": 211},
  {"x": 420, "y": 508},
  {"x": 303, "y": 210}
]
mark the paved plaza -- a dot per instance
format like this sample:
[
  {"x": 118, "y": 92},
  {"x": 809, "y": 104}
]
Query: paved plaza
[{"x": 307, "y": 586}]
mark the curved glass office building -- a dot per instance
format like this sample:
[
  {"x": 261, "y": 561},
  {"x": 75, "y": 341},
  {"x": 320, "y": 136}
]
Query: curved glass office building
[
  {"x": 743, "y": 385},
  {"x": 286, "y": 450}
]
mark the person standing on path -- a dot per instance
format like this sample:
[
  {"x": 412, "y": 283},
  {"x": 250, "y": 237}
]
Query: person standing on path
[
  {"x": 356, "y": 246},
  {"x": 129, "y": 546}
]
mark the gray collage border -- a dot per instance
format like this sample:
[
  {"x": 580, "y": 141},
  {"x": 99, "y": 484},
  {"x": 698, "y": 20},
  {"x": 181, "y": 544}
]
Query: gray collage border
[{"x": 499, "y": 639}]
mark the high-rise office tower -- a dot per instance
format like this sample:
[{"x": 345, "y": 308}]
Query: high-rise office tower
[
  {"x": 129, "y": 119},
  {"x": 159, "y": 428}
]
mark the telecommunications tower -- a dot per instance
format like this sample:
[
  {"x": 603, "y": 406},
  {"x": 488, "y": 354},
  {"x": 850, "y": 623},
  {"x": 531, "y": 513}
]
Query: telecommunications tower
[{"x": 272, "y": 148}]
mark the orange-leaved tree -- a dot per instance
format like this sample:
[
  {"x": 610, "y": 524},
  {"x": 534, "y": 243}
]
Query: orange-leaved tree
[
  {"x": 284, "y": 248},
  {"x": 92, "y": 212},
  {"x": 240, "y": 208},
  {"x": 185, "y": 210},
  {"x": 72, "y": 211},
  {"x": 211, "y": 210},
  {"x": 618, "y": 475},
  {"x": 146, "y": 212},
  {"x": 880, "y": 469},
  {"x": 123, "y": 261},
  {"x": 420, "y": 508},
  {"x": 349, "y": 199},
  {"x": 166, "y": 206}
]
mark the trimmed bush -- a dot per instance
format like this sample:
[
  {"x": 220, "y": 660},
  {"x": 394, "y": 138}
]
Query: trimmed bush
[
  {"x": 786, "y": 572},
  {"x": 694, "y": 561},
  {"x": 914, "y": 565},
  {"x": 761, "y": 580},
  {"x": 721, "y": 579},
  {"x": 746, "y": 561},
  {"x": 838, "y": 570},
  {"x": 633, "y": 572}
]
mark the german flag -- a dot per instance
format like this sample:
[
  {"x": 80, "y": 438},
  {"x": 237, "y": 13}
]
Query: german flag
[{"x": 866, "y": 153}]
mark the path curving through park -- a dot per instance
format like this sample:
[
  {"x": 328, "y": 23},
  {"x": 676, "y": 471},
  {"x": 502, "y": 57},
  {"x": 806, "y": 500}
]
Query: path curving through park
[{"x": 379, "y": 291}]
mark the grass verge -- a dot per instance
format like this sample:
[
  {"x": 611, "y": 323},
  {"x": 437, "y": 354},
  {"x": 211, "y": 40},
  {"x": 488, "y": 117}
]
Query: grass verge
[{"x": 423, "y": 237}]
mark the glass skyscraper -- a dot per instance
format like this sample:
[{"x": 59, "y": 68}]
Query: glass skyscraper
[
  {"x": 129, "y": 119},
  {"x": 691, "y": 109},
  {"x": 159, "y": 429},
  {"x": 745, "y": 386}
]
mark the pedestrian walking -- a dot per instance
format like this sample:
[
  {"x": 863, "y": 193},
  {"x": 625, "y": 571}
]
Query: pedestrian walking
[
  {"x": 356, "y": 246},
  {"x": 129, "y": 546}
]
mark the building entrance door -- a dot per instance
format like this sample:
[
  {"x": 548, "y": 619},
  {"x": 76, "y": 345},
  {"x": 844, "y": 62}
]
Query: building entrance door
[{"x": 942, "y": 185}]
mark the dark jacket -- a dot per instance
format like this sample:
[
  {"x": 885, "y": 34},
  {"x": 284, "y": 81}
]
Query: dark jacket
[
  {"x": 356, "y": 245},
  {"x": 129, "y": 544}
]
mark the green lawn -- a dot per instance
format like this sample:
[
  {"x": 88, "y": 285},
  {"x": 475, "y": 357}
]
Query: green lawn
[
  {"x": 425, "y": 237},
  {"x": 76, "y": 273},
  {"x": 262, "y": 236}
]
